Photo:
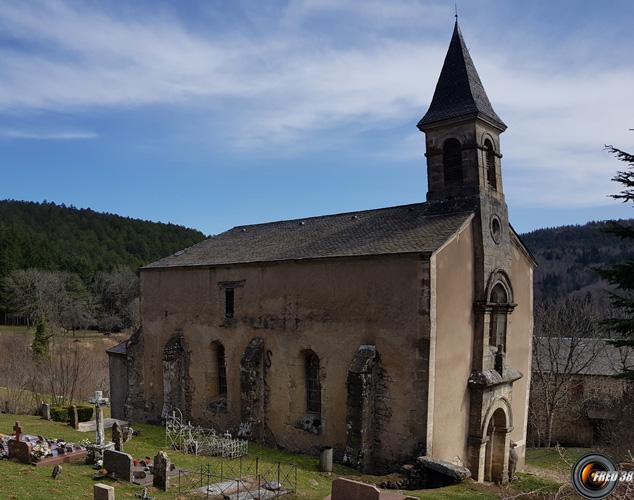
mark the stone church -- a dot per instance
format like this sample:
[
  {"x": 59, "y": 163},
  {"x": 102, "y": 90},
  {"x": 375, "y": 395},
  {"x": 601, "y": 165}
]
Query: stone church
[{"x": 387, "y": 334}]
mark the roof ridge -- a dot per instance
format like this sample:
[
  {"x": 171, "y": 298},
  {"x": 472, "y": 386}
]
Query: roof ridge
[{"x": 352, "y": 212}]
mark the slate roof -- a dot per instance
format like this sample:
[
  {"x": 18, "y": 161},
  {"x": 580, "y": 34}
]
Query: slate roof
[
  {"x": 459, "y": 91},
  {"x": 584, "y": 356},
  {"x": 119, "y": 349},
  {"x": 392, "y": 230}
]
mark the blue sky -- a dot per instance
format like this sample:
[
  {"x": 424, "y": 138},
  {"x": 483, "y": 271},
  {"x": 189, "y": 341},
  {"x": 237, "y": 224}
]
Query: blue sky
[{"x": 212, "y": 114}]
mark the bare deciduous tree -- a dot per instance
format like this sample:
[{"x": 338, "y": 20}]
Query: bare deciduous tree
[
  {"x": 116, "y": 294},
  {"x": 566, "y": 343},
  {"x": 16, "y": 377},
  {"x": 72, "y": 372},
  {"x": 34, "y": 293}
]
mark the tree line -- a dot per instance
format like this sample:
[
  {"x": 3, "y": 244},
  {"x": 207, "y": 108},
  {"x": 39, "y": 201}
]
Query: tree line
[
  {"x": 77, "y": 268},
  {"x": 108, "y": 302}
]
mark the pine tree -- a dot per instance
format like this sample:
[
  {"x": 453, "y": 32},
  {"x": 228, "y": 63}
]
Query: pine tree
[
  {"x": 621, "y": 275},
  {"x": 41, "y": 341}
]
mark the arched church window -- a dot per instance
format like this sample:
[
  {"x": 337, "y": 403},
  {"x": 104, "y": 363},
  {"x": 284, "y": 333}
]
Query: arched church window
[
  {"x": 498, "y": 302},
  {"x": 222, "y": 369},
  {"x": 313, "y": 386},
  {"x": 452, "y": 162},
  {"x": 490, "y": 164}
]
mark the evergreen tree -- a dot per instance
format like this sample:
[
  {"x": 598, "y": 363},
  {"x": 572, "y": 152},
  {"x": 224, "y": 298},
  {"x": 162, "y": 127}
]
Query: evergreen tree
[
  {"x": 41, "y": 341},
  {"x": 621, "y": 275}
]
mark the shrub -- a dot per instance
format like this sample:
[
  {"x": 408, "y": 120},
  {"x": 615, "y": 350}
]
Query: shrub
[
  {"x": 84, "y": 413},
  {"x": 59, "y": 413}
]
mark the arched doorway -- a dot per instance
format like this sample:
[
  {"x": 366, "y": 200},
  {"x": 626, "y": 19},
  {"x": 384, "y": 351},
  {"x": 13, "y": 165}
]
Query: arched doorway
[{"x": 496, "y": 455}]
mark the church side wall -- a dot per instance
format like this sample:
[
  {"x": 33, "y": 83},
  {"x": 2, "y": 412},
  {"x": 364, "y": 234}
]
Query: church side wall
[
  {"x": 454, "y": 347},
  {"x": 118, "y": 372},
  {"x": 519, "y": 345},
  {"x": 328, "y": 306}
]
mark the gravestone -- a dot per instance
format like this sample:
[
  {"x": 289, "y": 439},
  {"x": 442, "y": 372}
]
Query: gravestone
[
  {"x": 119, "y": 465},
  {"x": 103, "y": 492},
  {"x": 346, "y": 489},
  {"x": 74, "y": 417},
  {"x": 18, "y": 449},
  {"x": 161, "y": 478},
  {"x": 117, "y": 437},
  {"x": 45, "y": 411}
]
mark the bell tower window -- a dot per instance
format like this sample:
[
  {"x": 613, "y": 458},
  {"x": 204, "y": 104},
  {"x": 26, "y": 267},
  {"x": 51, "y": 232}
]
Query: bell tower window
[
  {"x": 452, "y": 162},
  {"x": 497, "y": 323},
  {"x": 490, "y": 164}
]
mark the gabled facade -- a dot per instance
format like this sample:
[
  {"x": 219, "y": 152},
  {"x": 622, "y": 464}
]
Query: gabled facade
[{"x": 385, "y": 334}]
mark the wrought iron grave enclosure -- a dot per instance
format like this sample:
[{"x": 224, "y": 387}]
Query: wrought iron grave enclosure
[{"x": 196, "y": 440}]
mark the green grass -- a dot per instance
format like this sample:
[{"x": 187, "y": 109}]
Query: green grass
[
  {"x": 16, "y": 329},
  {"x": 18, "y": 481},
  {"x": 549, "y": 458}
]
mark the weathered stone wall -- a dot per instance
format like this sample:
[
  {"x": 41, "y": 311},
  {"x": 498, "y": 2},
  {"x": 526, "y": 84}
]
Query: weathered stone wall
[
  {"x": 330, "y": 307},
  {"x": 118, "y": 385},
  {"x": 591, "y": 403}
]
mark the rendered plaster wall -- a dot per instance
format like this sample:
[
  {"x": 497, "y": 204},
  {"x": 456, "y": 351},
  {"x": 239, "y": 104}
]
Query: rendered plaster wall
[
  {"x": 454, "y": 347},
  {"x": 331, "y": 307},
  {"x": 519, "y": 344}
]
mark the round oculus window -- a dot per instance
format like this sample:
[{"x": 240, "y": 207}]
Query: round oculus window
[{"x": 496, "y": 228}]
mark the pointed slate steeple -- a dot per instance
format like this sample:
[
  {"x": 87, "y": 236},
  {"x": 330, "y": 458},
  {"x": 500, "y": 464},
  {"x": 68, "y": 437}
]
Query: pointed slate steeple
[{"x": 459, "y": 92}]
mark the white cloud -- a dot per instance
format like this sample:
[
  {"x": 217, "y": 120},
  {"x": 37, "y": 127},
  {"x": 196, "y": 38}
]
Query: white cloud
[{"x": 291, "y": 82}]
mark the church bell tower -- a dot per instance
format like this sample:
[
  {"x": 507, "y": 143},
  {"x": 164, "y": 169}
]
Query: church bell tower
[{"x": 464, "y": 174}]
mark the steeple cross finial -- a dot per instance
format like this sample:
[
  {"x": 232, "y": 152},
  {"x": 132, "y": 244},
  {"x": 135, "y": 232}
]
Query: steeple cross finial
[{"x": 455, "y": 6}]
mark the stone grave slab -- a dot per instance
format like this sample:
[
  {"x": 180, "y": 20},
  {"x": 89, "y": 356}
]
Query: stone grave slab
[
  {"x": 119, "y": 465},
  {"x": 91, "y": 425},
  {"x": 346, "y": 489},
  {"x": 234, "y": 490},
  {"x": 103, "y": 492},
  {"x": 59, "y": 458}
]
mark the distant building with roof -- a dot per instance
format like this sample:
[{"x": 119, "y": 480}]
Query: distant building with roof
[
  {"x": 386, "y": 334},
  {"x": 588, "y": 370}
]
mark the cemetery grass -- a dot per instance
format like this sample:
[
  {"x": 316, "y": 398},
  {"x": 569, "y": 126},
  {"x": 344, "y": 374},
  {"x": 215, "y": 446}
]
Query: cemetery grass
[{"x": 18, "y": 481}]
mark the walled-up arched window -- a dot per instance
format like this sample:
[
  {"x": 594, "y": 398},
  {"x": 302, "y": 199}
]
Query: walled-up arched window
[
  {"x": 452, "y": 162},
  {"x": 498, "y": 302},
  {"x": 313, "y": 386},
  {"x": 490, "y": 164},
  {"x": 174, "y": 377}
]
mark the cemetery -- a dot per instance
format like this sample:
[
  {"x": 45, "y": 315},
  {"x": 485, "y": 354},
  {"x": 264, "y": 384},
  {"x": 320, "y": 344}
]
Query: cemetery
[{"x": 78, "y": 479}]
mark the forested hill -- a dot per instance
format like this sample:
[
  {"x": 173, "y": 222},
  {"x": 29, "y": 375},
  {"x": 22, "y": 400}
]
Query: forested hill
[
  {"x": 568, "y": 256},
  {"x": 82, "y": 241}
]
